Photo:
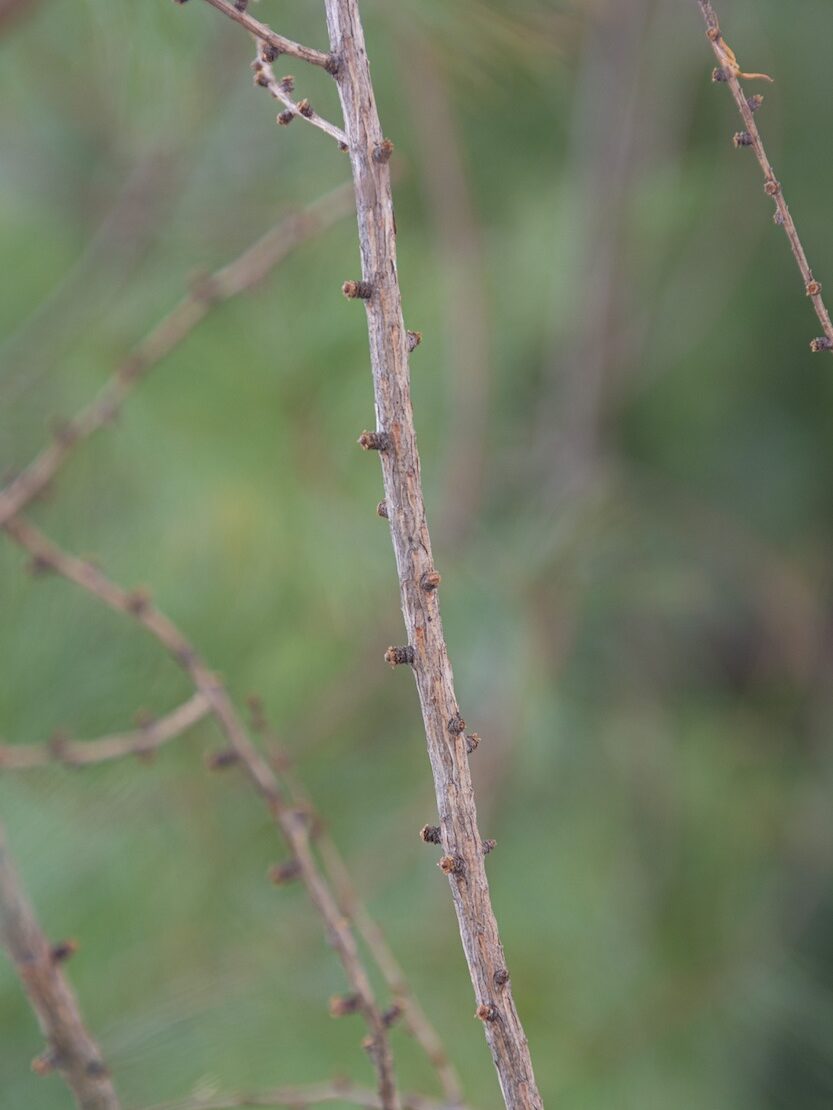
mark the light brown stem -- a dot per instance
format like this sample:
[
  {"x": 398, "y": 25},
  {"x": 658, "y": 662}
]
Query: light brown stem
[
  {"x": 261, "y": 31},
  {"x": 444, "y": 728},
  {"x": 142, "y": 742},
  {"x": 729, "y": 72},
  {"x": 71, "y": 1050}
]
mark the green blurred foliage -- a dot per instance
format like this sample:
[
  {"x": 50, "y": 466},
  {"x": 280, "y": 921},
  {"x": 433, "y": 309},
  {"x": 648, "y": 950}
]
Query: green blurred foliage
[{"x": 633, "y": 524}]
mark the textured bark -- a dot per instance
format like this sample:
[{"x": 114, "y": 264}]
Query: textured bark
[
  {"x": 445, "y": 732},
  {"x": 71, "y": 1050}
]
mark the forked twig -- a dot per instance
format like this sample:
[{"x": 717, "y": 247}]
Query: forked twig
[
  {"x": 71, "y": 1050},
  {"x": 238, "y": 13},
  {"x": 729, "y": 72},
  {"x": 239, "y": 276}
]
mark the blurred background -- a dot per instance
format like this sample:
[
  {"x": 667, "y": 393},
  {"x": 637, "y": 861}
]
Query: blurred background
[{"x": 627, "y": 453}]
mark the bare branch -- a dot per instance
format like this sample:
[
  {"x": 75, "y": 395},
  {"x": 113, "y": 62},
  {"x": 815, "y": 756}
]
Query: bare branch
[
  {"x": 293, "y": 823},
  {"x": 280, "y": 90},
  {"x": 71, "y": 1050},
  {"x": 444, "y": 727},
  {"x": 729, "y": 72},
  {"x": 298, "y": 1098},
  {"x": 142, "y": 742},
  {"x": 262, "y": 31},
  {"x": 242, "y": 274}
]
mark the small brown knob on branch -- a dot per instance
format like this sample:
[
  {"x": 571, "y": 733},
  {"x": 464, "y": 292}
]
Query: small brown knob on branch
[
  {"x": 342, "y": 1005},
  {"x": 283, "y": 873},
  {"x": 754, "y": 102},
  {"x": 472, "y": 742},
  {"x": 430, "y": 834},
  {"x": 62, "y": 951},
  {"x": 489, "y": 846},
  {"x": 772, "y": 187},
  {"x": 391, "y": 1015},
  {"x": 452, "y": 865},
  {"x": 400, "y": 656},
  {"x": 821, "y": 344},
  {"x": 374, "y": 441},
  {"x": 486, "y": 1011},
  {"x": 813, "y": 288},
  {"x": 287, "y": 83},
  {"x": 222, "y": 760},
  {"x": 383, "y": 152},
  {"x": 430, "y": 581},
  {"x": 47, "y": 1062},
  {"x": 305, "y": 108},
  {"x": 501, "y": 977},
  {"x": 138, "y": 602},
  {"x": 742, "y": 138},
  {"x": 241, "y": 5},
  {"x": 720, "y": 75},
  {"x": 285, "y": 118},
  {"x": 357, "y": 290},
  {"x": 414, "y": 340},
  {"x": 382, "y": 510},
  {"x": 456, "y": 725}
]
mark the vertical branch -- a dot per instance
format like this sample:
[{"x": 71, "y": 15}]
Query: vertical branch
[
  {"x": 729, "y": 72},
  {"x": 71, "y": 1050},
  {"x": 395, "y": 439}
]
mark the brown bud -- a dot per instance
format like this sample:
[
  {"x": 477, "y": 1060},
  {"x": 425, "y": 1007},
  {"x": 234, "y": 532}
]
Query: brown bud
[
  {"x": 382, "y": 510},
  {"x": 821, "y": 344},
  {"x": 813, "y": 288},
  {"x": 305, "y": 108},
  {"x": 374, "y": 441},
  {"x": 430, "y": 834},
  {"x": 400, "y": 656},
  {"x": 138, "y": 602},
  {"x": 62, "y": 951},
  {"x": 383, "y": 152},
  {"x": 414, "y": 340},
  {"x": 282, "y": 873},
  {"x": 501, "y": 977},
  {"x": 713, "y": 34},
  {"x": 778, "y": 217},
  {"x": 261, "y": 79},
  {"x": 771, "y": 187},
  {"x": 486, "y": 1012},
  {"x": 742, "y": 138},
  {"x": 391, "y": 1015},
  {"x": 287, "y": 83},
  {"x": 285, "y": 118},
  {"x": 489, "y": 846},
  {"x": 720, "y": 75},
  {"x": 754, "y": 102},
  {"x": 269, "y": 53},
  {"x": 357, "y": 290},
  {"x": 241, "y": 5},
  {"x": 430, "y": 580},
  {"x": 341, "y": 1005},
  {"x": 452, "y": 865},
  {"x": 472, "y": 742},
  {"x": 222, "y": 759},
  {"x": 456, "y": 725},
  {"x": 47, "y": 1062}
]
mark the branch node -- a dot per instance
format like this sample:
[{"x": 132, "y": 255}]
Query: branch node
[
  {"x": 282, "y": 873},
  {"x": 62, "y": 951},
  {"x": 400, "y": 656},
  {"x": 472, "y": 742},
  {"x": 391, "y": 1015},
  {"x": 452, "y": 865},
  {"x": 823, "y": 343},
  {"x": 813, "y": 288},
  {"x": 430, "y": 834},
  {"x": 222, "y": 760},
  {"x": 357, "y": 290},
  {"x": 342, "y": 1005},
  {"x": 382, "y": 510},
  {"x": 414, "y": 339},
  {"x": 456, "y": 725},
  {"x": 501, "y": 977},
  {"x": 430, "y": 581},
  {"x": 383, "y": 151},
  {"x": 374, "y": 441},
  {"x": 742, "y": 138},
  {"x": 720, "y": 75},
  {"x": 486, "y": 1012},
  {"x": 286, "y": 117},
  {"x": 489, "y": 846},
  {"x": 772, "y": 187},
  {"x": 305, "y": 109},
  {"x": 754, "y": 102}
]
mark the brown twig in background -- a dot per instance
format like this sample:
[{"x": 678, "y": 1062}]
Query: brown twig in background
[
  {"x": 729, "y": 72},
  {"x": 293, "y": 823},
  {"x": 444, "y": 727},
  {"x": 239, "y": 276},
  {"x": 71, "y": 1050},
  {"x": 299, "y": 1098},
  {"x": 142, "y": 742}
]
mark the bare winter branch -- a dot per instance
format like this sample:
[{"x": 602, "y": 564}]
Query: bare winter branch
[
  {"x": 141, "y": 742},
  {"x": 71, "y": 1050},
  {"x": 238, "y": 13},
  {"x": 729, "y": 72}
]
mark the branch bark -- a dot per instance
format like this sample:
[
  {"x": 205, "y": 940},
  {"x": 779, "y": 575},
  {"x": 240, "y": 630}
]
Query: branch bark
[
  {"x": 444, "y": 727},
  {"x": 72, "y": 1051},
  {"x": 729, "y": 72}
]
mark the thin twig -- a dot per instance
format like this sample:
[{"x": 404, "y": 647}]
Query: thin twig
[
  {"x": 141, "y": 742},
  {"x": 244, "y": 273},
  {"x": 71, "y": 1050},
  {"x": 299, "y": 1098},
  {"x": 463, "y": 859},
  {"x": 281, "y": 44},
  {"x": 729, "y": 72},
  {"x": 280, "y": 90},
  {"x": 293, "y": 824}
]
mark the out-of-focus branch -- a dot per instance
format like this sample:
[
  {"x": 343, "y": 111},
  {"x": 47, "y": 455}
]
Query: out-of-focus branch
[
  {"x": 729, "y": 72},
  {"x": 141, "y": 742},
  {"x": 299, "y": 1098},
  {"x": 237, "y": 277},
  {"x": 240, "y": 15},
  {"x": 10, "y": 10},
  {"x": 71, "y": 1051},
  {"x": 293, "y": 823}
]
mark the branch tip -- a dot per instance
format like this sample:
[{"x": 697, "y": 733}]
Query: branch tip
[{"x": 823, "y": 343}]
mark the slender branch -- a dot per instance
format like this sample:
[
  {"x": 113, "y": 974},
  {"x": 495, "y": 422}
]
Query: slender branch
[
  {"x": 72, "y": 1051},
  {"x": 293, "y": 823},
  {"x": 405, "y": 508},
  {"x": 239, "y": 276},
  {"x": 140, "y": 742},
  {"x": 413, "y": 1015},
  {"x": 280, "y": 90},
  {"x": 262, "y": 31},
  {"x": 298, "y": 1098},
  {"x": 729, "y": 71}
]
